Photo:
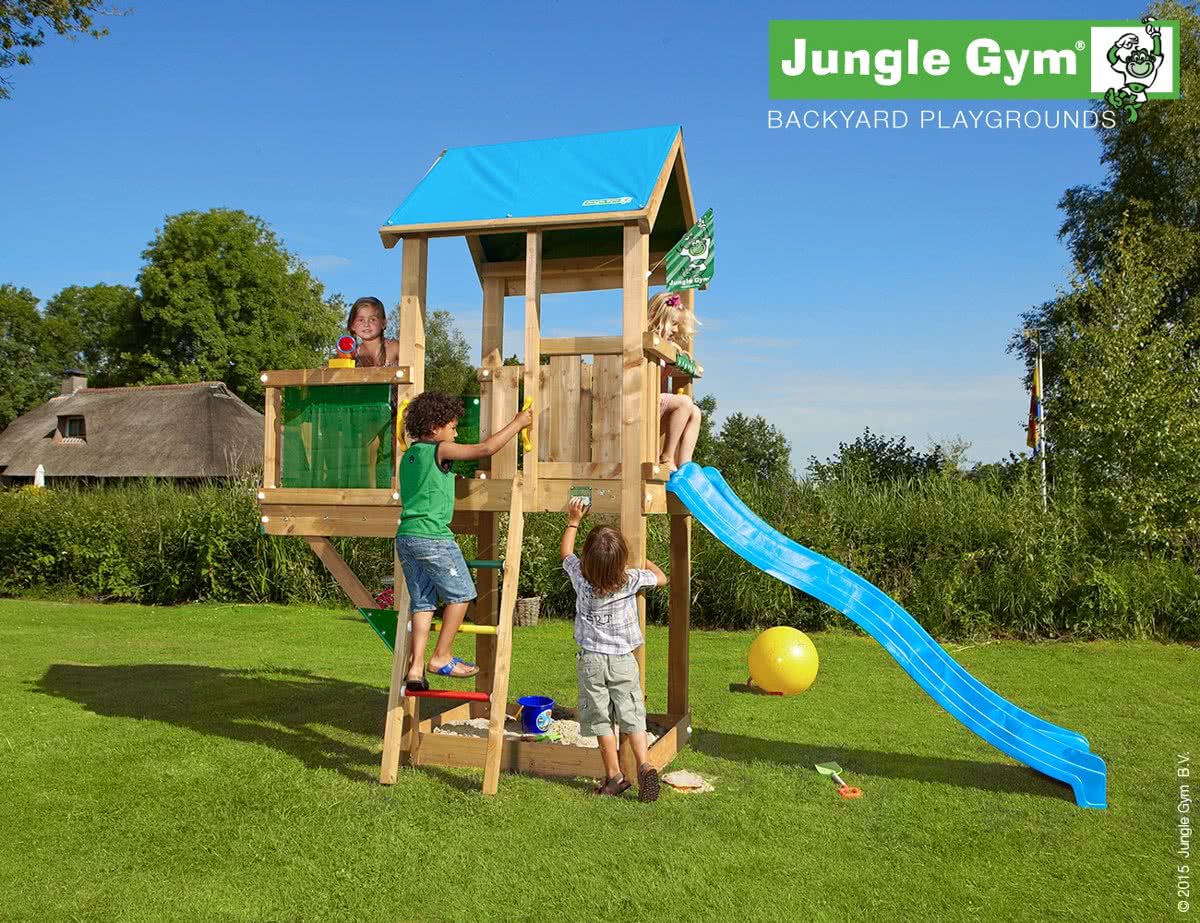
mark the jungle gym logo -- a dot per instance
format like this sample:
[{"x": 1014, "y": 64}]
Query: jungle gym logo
[{"x": 1123, "y": 63}]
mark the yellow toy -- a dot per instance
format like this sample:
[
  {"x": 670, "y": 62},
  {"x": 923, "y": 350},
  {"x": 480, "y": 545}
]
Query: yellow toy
[
  {"x": 526, "y": 441},
  {"x": 783, "y": 661}
]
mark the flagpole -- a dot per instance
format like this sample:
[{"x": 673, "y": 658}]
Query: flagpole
[{"x": 1041, "y": 415}]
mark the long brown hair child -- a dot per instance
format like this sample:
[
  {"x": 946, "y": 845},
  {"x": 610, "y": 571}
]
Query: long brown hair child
[{"x": 367, "y": 321}]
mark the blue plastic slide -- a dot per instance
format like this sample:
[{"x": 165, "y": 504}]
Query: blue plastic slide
[{"x": 1054, "y": 751}]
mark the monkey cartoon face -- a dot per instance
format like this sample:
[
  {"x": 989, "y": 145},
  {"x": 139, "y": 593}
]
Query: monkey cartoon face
[{"x": 1140, "y": 63}]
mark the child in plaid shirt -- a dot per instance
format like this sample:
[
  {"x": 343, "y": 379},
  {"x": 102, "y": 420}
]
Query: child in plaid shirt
[{"x": 607, "y": 632}]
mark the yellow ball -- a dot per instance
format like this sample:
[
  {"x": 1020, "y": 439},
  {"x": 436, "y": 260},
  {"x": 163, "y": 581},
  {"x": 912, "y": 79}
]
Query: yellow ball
[{"x": 783, "y": 660}]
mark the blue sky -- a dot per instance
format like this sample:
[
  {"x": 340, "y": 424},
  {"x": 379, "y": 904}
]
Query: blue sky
[{"x": 865, "y": 278}]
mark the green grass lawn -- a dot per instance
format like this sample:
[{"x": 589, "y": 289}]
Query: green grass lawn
[{"x": 218, "y": 762}]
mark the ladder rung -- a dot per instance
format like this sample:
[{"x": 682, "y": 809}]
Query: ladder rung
[
  {"x": 449, "y": 694},
  {"x": 486, "y": 565},
  {"x": 469, "y": 628}
]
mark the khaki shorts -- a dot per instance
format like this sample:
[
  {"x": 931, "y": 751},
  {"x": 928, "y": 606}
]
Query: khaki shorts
[{"x": 610, "y": 692}]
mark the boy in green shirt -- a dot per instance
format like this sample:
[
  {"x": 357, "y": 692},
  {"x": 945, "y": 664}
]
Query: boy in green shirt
[{"x": 432, "y": 562}]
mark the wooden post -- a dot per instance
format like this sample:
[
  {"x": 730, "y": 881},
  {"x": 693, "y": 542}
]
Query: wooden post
[
  {"x": 413, "y": 277},
  {"x": 680, "y": 614},
  {"x": 508, "y": 602},
  {"x": 487, "y": 530},
  {"x": 634, "y": 450},
  {"x": 403, "y": 715},
  {"x": 533, "y": 350},
  {"x": 272, "y": 437}
]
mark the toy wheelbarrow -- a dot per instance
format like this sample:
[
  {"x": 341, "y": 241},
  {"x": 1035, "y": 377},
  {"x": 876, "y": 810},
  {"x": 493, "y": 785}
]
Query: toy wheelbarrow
[{"x": 833, "y": 770}]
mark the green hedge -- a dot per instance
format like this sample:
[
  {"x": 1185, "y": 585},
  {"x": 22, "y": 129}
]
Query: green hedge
[{"x": 968, "y": 559}]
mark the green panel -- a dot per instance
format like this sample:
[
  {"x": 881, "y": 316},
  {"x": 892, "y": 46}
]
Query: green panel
[
  {"x": 384, "y": 622},
  {"x": 338, "y": 436},
  {"x": 468, "y": 434}
]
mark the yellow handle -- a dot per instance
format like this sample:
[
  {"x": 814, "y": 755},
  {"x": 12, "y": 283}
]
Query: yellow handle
[
  {"x": 526, "y": 442},
  {"x": 400, "y": 424}
]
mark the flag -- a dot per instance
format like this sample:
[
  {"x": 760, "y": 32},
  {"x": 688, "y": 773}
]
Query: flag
[
  {"x": 1035, "y": 409},
  {"x": 690, "y": 262}
]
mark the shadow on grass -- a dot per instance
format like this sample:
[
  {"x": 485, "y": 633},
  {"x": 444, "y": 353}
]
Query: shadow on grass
[
  {"x": 284, "y": 709},
  {"x": 991, "y": 777}
]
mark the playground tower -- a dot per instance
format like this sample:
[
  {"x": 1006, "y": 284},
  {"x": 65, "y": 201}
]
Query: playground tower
[{"x": 586, "y": 213}]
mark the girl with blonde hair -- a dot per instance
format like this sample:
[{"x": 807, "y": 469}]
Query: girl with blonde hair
[{"x": 680, "y": 417}]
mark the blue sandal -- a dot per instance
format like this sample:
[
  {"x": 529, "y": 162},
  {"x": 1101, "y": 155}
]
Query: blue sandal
[{"x": 448, "y": 669}]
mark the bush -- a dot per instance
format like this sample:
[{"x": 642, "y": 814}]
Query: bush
[{"x": 967, "y": 557}]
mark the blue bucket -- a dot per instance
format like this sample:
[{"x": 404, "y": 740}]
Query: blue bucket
[{"x": 535, "y": 713}]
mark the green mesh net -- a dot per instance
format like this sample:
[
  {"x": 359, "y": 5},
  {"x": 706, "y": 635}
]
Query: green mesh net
[{"x": 338, "y": 436}]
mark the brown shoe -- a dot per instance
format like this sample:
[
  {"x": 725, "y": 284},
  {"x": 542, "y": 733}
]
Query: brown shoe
[
  {"x": 617, "y": 785},
  {"x": 647, "y": 783}
]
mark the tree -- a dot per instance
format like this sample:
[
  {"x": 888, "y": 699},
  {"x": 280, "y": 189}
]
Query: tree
[
  {"x": 750, "y": 447},
  {"x": 1152, "y": 182},
  {"x": 221, "y": 299},
  {"x": 448, "y": 365},
  {"x": 875, "y": 459},
  {"x": 1125, "y": 408},
  {"x": 23, "y": 25},
  {"x": 27, "y": 374},
  {"x": 89, "y": 326}
]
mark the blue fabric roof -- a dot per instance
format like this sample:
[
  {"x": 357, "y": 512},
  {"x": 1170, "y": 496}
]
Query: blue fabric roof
[{"x": 583, "y": 174}]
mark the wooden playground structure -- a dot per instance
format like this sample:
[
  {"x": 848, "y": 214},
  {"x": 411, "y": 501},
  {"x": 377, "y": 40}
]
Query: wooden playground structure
[{"x": 596, "y": 431}]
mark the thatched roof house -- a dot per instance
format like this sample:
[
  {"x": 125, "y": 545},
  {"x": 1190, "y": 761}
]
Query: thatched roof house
[{"x": 170, "y": 431}]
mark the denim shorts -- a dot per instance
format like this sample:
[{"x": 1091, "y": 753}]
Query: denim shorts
[{"x": 434, "y": 567}]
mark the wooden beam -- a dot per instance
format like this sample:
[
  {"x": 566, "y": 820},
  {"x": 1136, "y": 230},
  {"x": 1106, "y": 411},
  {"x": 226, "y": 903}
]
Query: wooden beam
[
  {"x": 341, "y": 571},
  {"x": 571, "y": 266},
  {"x": 597, "y": 282},
  {"x": 679, "y": 614},
  {"x": 475, "y": 246},
  {"x": 365, "y": 521},
  {"x": 582, "y": 346},
  {"x": 391, "y": 233},
  {"x": 272, "y": 438},
  {"x": 508, "y": 602},
  {"x": 493, "y": 324},
  {"x": 533, "y": 349},
  {"x": 634, "y": 451},
  {"x": 685, "y": 185},
  {"x": 413, "y": 283},
  {"x": 350, "y": 496},
  {"x": 486, "y": 610},
  {"x": 660, "y": 186},
  {"x": 290, "y": 378},
  {"x": 403, "y": 714}
]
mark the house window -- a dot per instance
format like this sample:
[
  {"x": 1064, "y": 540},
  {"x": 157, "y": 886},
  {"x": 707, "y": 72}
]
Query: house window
[{"x": 72, "y": 428}]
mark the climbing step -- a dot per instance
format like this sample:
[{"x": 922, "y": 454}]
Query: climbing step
[
  {"x": 469, "y": 628},
  {"x": 486, "y": 565},
  {"x": 383, "y": 621},
  {"x": 446, "y": 694}
]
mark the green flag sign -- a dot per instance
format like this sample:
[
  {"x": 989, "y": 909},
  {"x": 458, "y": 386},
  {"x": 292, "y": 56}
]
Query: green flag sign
[{"x": 690, "y": 262}]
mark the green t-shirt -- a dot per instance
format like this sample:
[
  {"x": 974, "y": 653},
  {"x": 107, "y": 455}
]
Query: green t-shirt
[{"x": 426, "y": 493}]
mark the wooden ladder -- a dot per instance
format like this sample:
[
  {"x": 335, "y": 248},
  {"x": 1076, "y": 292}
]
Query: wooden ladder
[{"x": 402, "y": 725}]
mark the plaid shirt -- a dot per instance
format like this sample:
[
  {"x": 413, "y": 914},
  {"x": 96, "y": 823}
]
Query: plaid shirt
[{"x": 607, "y": 624}]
